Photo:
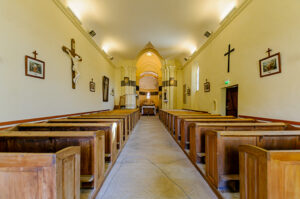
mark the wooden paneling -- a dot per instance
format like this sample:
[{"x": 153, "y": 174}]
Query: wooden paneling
[
  {"x": 269, "y": 174},
  {"x": 222, "y": 150},
  {"x": 91, "y": 145},
  {"x": 40, "y": 175}
]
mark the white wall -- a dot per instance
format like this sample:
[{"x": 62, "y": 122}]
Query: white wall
[
  {"x": 40, "y": 25},
  {"x": 263, "y": 24}
]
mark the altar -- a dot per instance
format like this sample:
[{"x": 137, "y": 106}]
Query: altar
[{"x": 148, "y": 110}]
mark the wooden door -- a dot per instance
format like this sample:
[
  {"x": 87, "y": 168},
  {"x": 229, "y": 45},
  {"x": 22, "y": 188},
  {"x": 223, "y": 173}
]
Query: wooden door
[{"x": 232, "y": 101}]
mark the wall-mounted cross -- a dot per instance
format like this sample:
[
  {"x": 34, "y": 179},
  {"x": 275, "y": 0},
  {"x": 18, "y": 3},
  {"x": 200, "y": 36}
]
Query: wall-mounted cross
[
  {"x": 269, "y": 52},
  {"x": 228, "y": 54},
  {"x": 35, "y": 54},
  {"x": 75, "y": 58}
]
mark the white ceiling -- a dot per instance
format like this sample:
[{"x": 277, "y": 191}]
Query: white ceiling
[{"x": 174, "y": 27}]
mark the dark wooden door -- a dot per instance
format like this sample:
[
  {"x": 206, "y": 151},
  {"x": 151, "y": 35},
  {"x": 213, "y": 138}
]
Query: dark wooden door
[{"x": 232, "y": 101}]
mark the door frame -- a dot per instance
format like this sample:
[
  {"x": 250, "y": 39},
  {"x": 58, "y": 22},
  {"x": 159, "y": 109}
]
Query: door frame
[{"x": 223, "y": 98}]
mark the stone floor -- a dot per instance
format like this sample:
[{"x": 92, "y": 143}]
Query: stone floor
[{"x": 152, "y": 166}]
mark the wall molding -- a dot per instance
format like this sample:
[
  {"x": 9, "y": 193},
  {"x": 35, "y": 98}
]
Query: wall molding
[
  {"x": 270, "y": 119},
  {"x": 76, "y": 23},
  {"x": 2, "y": 124},
  {"x": 223, "y": 25}
]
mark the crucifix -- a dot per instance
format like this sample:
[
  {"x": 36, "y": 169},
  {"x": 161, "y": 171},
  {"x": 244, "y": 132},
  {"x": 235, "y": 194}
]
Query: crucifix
[
  {"x": 228, "y": 54},
  {"x": 75, "y": 58}
]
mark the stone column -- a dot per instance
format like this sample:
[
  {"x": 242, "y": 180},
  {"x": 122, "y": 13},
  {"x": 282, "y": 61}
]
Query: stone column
[{"x": 128, "y": 85}]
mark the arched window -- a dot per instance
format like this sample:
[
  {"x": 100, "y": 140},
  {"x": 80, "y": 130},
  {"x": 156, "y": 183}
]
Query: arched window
[{"x": 198, "y": 79}]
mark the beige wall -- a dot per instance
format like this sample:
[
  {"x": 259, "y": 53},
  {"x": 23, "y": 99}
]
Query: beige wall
[
  {"x": 263, "y": 24},
  {"x": 40, "y": 25}
]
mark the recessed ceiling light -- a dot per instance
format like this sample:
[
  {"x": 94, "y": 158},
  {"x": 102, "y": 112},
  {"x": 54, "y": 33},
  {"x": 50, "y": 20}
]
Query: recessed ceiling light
[
  {"x": 105, "y": 48},
  {"x": 149, "y": 54},
  {"x": 193, "y": 49}
]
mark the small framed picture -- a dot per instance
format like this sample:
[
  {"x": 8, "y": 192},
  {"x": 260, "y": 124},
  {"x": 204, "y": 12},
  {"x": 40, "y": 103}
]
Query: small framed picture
[
  {"x": 105, "y": 88},
  {"x": 270, "y": 65},
  {"x": 207, "y": 87},
  {"x": 92, "y": 86},
  {"x": 34, "y": 67}
]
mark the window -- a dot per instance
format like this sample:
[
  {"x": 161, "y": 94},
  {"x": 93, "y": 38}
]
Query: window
[{"x": 198, "y": 79}]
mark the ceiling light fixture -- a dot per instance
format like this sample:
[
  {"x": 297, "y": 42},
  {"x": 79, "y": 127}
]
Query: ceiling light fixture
[
  {"x": 105, "y": 48},
  {"x": 76, "y": 16},
  {"x": 193, "y": 49},
  {"x": 149, "y": 54},
  {"x": 227, "y": 11}
]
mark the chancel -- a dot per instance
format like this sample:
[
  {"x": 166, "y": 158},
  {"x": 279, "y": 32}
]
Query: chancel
[{"x": 169, "y": 99}]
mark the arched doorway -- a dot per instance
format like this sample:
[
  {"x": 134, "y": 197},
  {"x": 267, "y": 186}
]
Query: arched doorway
[{"x": 149, "y": 77}]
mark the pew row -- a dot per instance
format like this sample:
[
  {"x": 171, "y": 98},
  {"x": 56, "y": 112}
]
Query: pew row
[
  {"x": 111, "y": 150},
  {"x": 123, "y": 118},
  {"x": 43, "y": 174},
  {"x": 118, "y": 122},
  {"x": 196, "y": 143},
  {"x": 91, "y": 143},
  {"x": 269, "y": 174},
  {"x": 186, "y": 124},
  {"x": 222, "y": 157}
]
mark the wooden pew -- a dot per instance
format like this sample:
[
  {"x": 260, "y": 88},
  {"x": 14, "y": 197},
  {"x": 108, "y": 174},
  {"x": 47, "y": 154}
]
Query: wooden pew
[
  {"x": 222, "y": 157},
  {"x": 269, "y": 174},
  {"x": 118, "y": 122},
  {"x": 187, "y": 124},
  {"x": 129, "y": 114},
  {"x": 123, "y": 118},
  {"x": 46, "y": 174},
  {"x": 111, "y": 150},
  {"x": 178, "y": 121},
  {"x": 173, "y": 116},
  {"x": 181, "y": 134},
  {"x": 164, "y": 113},
  {"x": 92, "y": 163},
  {"x": 196, "y": 144}
]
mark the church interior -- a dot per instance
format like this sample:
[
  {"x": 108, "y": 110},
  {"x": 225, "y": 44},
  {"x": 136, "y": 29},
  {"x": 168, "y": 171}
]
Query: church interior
[{"x": 169, "y": 99}]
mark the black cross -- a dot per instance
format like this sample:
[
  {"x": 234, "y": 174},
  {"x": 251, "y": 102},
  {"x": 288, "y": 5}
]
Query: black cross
[{"x": 228, "y": 54}]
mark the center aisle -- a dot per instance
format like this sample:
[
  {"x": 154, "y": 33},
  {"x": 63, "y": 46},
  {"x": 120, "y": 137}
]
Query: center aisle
[{"x": 152, "y": 166}]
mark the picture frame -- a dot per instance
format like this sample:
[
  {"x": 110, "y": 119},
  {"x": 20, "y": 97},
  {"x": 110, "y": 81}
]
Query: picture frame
[
  {"x": 34, "y": 67},
  {"x": 92, "y": 86},
  {"x": 270, "y": 65},
  {"x": 105, "y": 88},
  {"x": 207, "y": 87},
  {"x": 126, "y": 81}
]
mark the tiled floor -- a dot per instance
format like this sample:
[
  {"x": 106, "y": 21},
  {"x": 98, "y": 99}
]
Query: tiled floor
[{"x": 152, "y": 166}]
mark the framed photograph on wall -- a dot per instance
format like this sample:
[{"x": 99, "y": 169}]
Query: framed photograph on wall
[
  {"x": 34, "y": 67},
  {"x": 105, "y": 88},
  {"x": 207, "y": 86},
  {"x": 270, "y": 65}
]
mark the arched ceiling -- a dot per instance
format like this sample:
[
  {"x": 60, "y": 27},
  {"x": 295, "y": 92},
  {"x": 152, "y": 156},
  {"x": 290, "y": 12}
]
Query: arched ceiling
[{"x": 149, "y": 60}]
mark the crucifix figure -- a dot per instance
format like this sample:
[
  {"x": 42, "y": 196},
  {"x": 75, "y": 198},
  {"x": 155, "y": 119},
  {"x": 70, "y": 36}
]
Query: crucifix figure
[
  {"x": 228, "y": 54},
  {"x": 75, "y": 58}
]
